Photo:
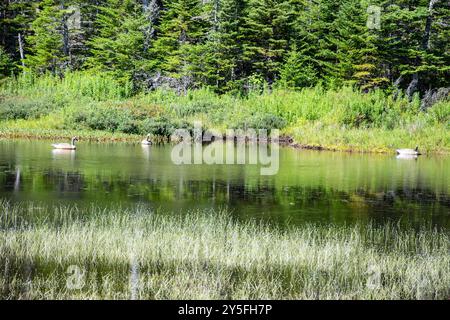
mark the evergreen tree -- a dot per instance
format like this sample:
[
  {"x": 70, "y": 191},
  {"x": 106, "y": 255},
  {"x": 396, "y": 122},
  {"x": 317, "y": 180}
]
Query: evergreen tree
[
  {"x": 230, "y": 44},
  {"x": 315, "y": 36},
  {"x": 295, "y": 73},
  {"x": 226, "y": 45},
  {"x": 119, "y": 45},
  {"x": 183, "y": 26},
  {"x": 5, "y": 63},
  {"x": 356, "y": 55},
  {"x": 266, "y": 30},
  {"x": 15, "y": 23},
  {"x": 46, "y": 41},
  {"x": 412, "y": 47}
]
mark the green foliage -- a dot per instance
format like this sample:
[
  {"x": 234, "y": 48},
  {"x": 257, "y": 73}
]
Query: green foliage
[
  {"x": 17, "y": 108},
  {"x": 119, "y": 49},
  {"x": 72, "y": 85},
  {"x": 182, "y": 27},
  {"x": 296, "y": 73},
  {"x": 261, "y": 121},
  {"x": 47, "y": 40},
  {"x": 228, "y": 44},
  {"x": 160, "y": 126},
  {"x": 226, "y": 64},
  {"x": 5, "y": 63},
  {"x": 340, "y": 119},
  {"x": 101, "y": 117},
  {"x": 266, "y": 28},
  {"x": 440, "y": 113}
]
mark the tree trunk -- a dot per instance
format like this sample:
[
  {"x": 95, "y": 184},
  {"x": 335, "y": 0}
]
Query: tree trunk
[
  {"x": 65, "y": 32},
  {"x": 22, "y": 56},
  {"x": 397, "y": 86},
  {"x": 426, "y": 36},
  {"x": 412, "y": 87}
]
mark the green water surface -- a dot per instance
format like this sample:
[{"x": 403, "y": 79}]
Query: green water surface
[{"x": 310, "y": 186}]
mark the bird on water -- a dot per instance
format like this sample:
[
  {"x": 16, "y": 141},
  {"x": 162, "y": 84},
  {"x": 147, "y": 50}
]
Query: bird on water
[
  {"x": 408, "y": 152},
  {"x": 146, "y": 141},
  {"x": 66, "y": 146}
]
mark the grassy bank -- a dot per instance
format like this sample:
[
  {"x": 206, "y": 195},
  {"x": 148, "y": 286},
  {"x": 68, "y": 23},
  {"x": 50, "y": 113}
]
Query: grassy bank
[
  {"x": 208, "y": 255},
  {"x": 98, "y": 108}
]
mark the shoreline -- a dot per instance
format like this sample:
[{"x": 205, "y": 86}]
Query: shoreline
[{"x": 286, "y": 141}]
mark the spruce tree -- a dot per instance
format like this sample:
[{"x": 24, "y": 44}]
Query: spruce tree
[
  {"x": 227, "y": 44},
  {"x": 296, "y": 73},
  {"x": 15, "y": 22},
  {"x": 118, "y": 47},
  {"x": 183, "y": 26},
  {"x": 46, "y": 41},
  {"x": 356, "y": 54},
  {"x": 266, "y": 30},
  {"x": 5, "y": 63},
  {"x": 313, "y": 35}
]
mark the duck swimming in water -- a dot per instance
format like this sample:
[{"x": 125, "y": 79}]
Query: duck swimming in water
[
  {"x": 408, "y": 152},
  {"x": 66, "y": 146},
  {"x": 146, "y": 141}
]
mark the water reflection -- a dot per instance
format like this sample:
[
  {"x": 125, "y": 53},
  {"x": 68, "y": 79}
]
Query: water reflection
[
  {"x": 406, "y": 157},
  {"x": 310, "y": 186},
  {"x": 17, "y": 181},
  {"x": 146, "y": 151},
  {"x": 61, "y": 154}
]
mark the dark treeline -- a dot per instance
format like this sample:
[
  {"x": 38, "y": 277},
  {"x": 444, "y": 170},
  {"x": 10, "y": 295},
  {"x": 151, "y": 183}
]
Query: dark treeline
[{"x": 232, "y": 45}]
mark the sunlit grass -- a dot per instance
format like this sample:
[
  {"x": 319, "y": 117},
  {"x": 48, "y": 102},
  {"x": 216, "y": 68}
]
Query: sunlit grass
[
  {"x": 339, "y": 119},
  {"x": 434, "y": 139},
  {"x": 209, "y": 255},
  {"x": 73, "y": 84}
]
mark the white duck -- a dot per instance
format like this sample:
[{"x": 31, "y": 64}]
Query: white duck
[
  {"x": 66, "y": 146},
  {"x": 408, "y": 152},
  {"x": 146, "y": 141}
]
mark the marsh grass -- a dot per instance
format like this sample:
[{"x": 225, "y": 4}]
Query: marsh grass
[
  {"x": 145, "y": 254},
  {"x": 339, "y": 119},
  {"x": 73, "y": 85}
]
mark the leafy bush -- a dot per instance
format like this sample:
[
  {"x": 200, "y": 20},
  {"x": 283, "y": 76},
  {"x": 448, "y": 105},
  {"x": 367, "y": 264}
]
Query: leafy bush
[
  {"x": 13, "y": 109},
  {"x": 192, "y": 108},
  {"x": 101, "y": 117},
  {"x": 440, "y": 112},
  {"x": 160, "y": 126},
  {"x": 362, "y": 114},
  {"x": 261, "y": 121}
]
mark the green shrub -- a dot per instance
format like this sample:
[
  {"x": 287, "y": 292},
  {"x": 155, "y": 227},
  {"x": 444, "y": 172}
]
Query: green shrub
[
  {"x": 195, "y": 107},
  {"x": 101, "y": 117},
  {"x": 74, "y": 84},
  {"x": 261, "y": 121},
  {"x": 13, "y": 109},
  {"x": 159, "y": 126},
  {"x": 440, "y": 112},
  {"x": 362, "y": 114}
]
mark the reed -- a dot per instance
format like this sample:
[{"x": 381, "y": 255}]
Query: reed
[
  {"x": 206, "y": 254},
  {"x": 74, "y": 84}
]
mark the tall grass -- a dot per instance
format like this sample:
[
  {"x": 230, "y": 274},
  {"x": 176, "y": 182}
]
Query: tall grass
[
  {"x": 85, "y": 101},
  {"x": 209, "y": 255},
  {"x": 74, "y": 84}
]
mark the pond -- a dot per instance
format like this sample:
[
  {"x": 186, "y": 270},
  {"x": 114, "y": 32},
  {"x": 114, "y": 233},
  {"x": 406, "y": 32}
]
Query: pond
[{"x": 310, "y": 186}]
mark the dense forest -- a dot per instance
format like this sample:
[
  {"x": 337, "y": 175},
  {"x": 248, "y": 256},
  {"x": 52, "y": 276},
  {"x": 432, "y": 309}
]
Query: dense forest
[{"x": 234, "y": 45}]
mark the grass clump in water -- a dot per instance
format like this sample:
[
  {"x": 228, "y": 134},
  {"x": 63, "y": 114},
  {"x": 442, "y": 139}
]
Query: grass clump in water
[{"x": 124, "y": 253}]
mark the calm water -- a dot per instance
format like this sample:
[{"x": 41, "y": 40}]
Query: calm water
[{"x": 310, "y": 186}]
